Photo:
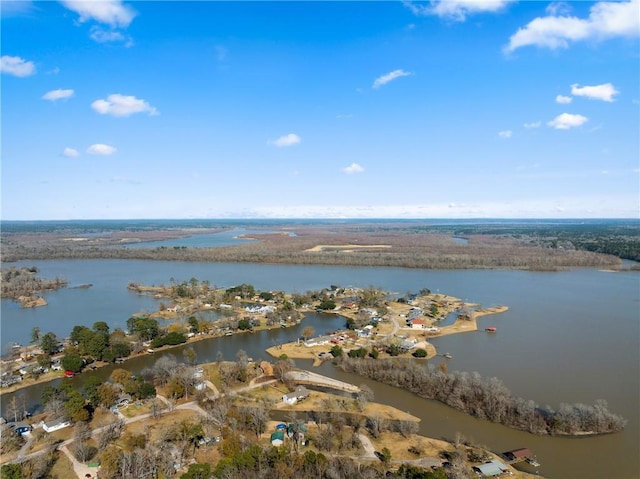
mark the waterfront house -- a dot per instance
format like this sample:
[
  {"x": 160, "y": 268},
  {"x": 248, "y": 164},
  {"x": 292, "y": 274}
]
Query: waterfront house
[
  {"x": 491, "y": 468},
  {"x": 417, "y": 324},
  {"x": 319, "y": 341},
  {"x": 408, "y": 344},
  {"x": 518, "y": 454},
  {"x": 52, "y": 426}
]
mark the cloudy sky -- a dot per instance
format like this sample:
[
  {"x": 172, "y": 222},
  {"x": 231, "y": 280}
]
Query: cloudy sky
[{"x": 455, "y": 109}]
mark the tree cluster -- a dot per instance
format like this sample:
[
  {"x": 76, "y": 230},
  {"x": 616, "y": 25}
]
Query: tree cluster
[
  {"x": 488, "y": 398},
  {"x": 99, "y": 343},
  {"x": 24, "y": 281}
]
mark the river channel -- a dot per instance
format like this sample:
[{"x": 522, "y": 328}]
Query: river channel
[{"x": 568, "y": 337}]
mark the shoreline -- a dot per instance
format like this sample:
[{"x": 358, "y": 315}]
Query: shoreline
[
  {"x": 451, "y": 303},
  {"x": 298, "y": 350},
  {"x": 53, "y": 375}
]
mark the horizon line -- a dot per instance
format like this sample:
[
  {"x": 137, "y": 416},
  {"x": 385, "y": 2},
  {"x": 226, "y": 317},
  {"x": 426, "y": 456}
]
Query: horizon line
[{"x": 324, "y": 218}]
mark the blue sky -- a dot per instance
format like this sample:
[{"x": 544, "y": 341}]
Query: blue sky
[{"x": 455, "y": 109}]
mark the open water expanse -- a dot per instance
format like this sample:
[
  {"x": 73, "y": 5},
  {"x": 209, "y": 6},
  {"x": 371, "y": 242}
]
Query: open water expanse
[{"x": 568, "y": 337}]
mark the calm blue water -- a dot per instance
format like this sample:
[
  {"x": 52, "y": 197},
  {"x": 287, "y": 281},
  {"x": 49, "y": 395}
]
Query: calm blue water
[
  {"x": 207, "y": 240},
  {"x": 568, "y": 337}
]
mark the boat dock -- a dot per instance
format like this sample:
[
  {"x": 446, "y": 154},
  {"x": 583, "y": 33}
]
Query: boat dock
[{"x": 521, "y": 455}]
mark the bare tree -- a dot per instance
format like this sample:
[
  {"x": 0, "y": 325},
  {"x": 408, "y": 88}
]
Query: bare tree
[
  {"x": 13, "y": 409},
  {"x": 255, "y": 418},
  {"x": 156, "y": 408},
  {"x": 375, "y": 424},
  {"x": 308, "y": 332},
  {"x": 109, "y": 434},
  {"x": 364, "y": 396},
  {"x": 282, "y": 368},
  {"x": 217, "y": 412},
  {"x": 83, "y": 450}
]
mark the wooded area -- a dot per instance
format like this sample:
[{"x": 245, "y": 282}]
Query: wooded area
[
  {"x": 487, "y": 398},
  {"x": 528, "y": 247}
]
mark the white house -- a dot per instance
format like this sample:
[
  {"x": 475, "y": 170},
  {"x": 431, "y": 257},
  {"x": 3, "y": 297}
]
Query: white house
[
  {"x": 418, "y": 324},
  {"x": 319, "y": 341},
  {"x": 55, "y": 425},
  {"x": 299, "y": 394}
]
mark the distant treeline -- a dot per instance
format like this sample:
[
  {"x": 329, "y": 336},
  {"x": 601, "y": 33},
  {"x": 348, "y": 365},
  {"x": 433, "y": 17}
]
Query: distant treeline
[
  {"x": 469, "y": 256},
  {"x": 487, "y": 398},
  {"x": 540, "y": 246},
  {"x": 619, "y": 238}
]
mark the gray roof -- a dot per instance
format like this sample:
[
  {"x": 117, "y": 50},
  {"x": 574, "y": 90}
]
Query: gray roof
[{"x": 492, "y": 468}]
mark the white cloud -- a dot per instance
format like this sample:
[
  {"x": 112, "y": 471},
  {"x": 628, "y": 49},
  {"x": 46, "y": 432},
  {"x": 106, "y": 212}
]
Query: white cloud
[
  {"x": 109, "y": 36},
  {"x": 16, "y": 66},
  {"x": 352, "y": 169},
  {"x": 564, "y": 100},
  {"x": 558, "y": 8},
  {"x": 70, "y": 152},
  {"x": 384, "y": 79},
  {"x": 606, "y": 20},
  {"x": 457, "y": 10},
  {"x": 121, "y": 105},
  {"x": 534, "y": 124},
  {"x": 287, "y": 140},
  {"x": 505, "y": 134},
  {"x": 58, "y": 94},
  {"x": 15, "y": 8},
  {"x": 101, "y": 149},
  {"x": 111, "y": 12},
  {"x": 567, "y": 120},
  {"x": 604, "y": 92},
  {"x": 595, "y": 206}
]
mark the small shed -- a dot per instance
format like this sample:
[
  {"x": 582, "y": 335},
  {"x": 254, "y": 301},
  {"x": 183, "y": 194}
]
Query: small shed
[
  {"x": 491, "y": 468},
  {"x": 277, "y": 438},
  {"x": 55, "y": 425}
]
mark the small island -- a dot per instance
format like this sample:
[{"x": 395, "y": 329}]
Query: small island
[{"x": 24, "y": 284}]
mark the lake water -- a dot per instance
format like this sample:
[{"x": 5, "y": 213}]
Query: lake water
[
  {"x": 207, "y": 240},
  {"x": 568, "y": 337}
]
